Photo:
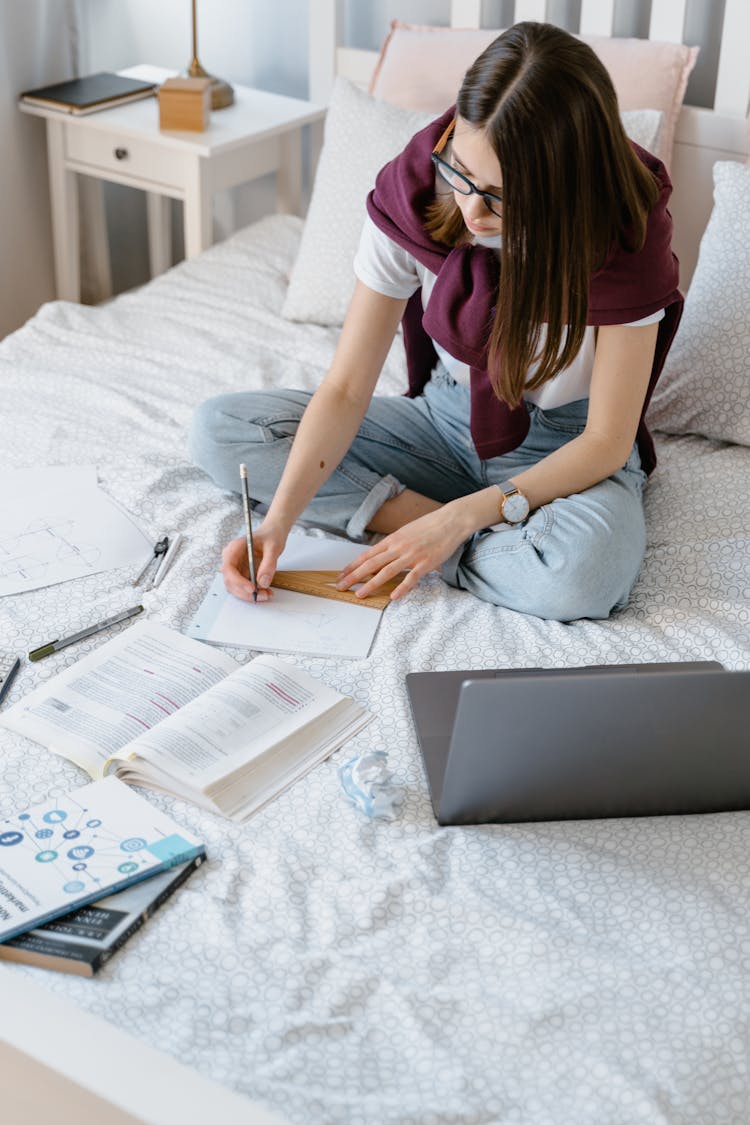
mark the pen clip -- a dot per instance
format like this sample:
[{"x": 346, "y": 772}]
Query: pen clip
[
  {"x": 160, "y": 549},
  {"x": 165, "y": 561}
]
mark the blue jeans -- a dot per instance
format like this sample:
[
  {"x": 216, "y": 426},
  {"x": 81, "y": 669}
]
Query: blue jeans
[{"x": 575, "y": 557}]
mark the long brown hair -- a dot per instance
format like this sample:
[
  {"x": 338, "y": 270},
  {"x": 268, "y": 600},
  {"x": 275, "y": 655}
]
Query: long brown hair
[{"x": 573, "y": 188}]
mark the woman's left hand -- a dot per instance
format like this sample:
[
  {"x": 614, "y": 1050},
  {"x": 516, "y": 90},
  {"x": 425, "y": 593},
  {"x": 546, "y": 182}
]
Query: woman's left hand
[{"x": 417, "y": 547}]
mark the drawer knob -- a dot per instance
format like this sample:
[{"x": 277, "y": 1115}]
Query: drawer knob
[{"x": 122, "y": 153}]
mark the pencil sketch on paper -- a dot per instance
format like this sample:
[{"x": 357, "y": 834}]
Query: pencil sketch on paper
[
  {"x": 29, "y": 554},
  {"x": 289, "y": 622},
  {"x": 49, "y": 536}
]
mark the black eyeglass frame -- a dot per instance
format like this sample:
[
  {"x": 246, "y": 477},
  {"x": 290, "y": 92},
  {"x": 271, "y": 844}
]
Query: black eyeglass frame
[{"x": 443, "y": 168}]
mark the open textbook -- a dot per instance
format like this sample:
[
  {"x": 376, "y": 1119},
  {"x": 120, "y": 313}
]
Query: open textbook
[{"x": 159, "y": 709}]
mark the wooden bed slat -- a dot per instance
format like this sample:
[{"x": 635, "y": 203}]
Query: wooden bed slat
[
  {"x": 597, "y": 17},
  {"x": 466, "y": 13},
  {"x": 323, "y": 35},
  {"x": 531, "y": 10},
  {"x": 667, "y": 20},
  {"x": 733, "y": 75},
  {"x": 356, "y": 64}
]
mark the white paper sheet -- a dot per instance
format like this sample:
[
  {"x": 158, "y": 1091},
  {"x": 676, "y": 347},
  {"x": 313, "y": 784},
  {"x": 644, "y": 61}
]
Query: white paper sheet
[
  {"x": 292, "y": 622},
  {"x": 67, "y": 529},
  {"x": 48, "y": 477}
]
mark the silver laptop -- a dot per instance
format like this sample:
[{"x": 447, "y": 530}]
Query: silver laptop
[{"x": 576, "y": 743}]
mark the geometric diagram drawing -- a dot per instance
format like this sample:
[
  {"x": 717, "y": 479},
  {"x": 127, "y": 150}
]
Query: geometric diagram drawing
[
  {"x": 42, "y": 543},
  {"x": 79, "y": 847}
]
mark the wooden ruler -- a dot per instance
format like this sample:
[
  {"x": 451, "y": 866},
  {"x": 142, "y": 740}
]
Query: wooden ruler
[{"x": 322, "y": 583}]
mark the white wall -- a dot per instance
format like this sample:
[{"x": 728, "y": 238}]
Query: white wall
[
  {"x": 250, "y": 42},
  {"x": 35, "y": 48}
]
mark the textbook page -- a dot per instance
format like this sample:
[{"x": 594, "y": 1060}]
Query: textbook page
[
  {"x": 238, "y": 720},
  {"x": 128, "y": 685}
]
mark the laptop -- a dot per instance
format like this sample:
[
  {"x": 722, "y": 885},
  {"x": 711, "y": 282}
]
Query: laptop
[{"x": 511, "y": 745}]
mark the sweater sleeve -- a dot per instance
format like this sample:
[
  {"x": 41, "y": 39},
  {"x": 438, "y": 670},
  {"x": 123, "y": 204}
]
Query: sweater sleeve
[{"x": 634, "y": 284}]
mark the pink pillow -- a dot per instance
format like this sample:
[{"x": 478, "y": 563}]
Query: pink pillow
[{"x": 422, "y": 68}]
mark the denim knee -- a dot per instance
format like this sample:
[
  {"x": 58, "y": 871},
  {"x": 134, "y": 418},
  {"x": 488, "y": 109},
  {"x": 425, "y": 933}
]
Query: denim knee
[
  {"x": 221, "y": 436},
  {"x": 578, "y": 590},
  {"x": 549, "y": 576},
  {"x": 204, "y": 443}
]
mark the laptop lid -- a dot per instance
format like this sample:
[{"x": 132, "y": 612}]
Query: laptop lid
[
  {"x": 591, "y": 745},
  {"x": 434, "y": 697}
]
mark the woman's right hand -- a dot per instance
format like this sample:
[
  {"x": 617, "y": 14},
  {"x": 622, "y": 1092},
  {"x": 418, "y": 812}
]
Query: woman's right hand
[
  {"x": 269, "y": 542},
  {"x": 318, "y": 447}
]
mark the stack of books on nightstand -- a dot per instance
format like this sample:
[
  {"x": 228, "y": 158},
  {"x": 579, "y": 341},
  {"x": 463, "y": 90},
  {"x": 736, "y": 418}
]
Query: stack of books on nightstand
[{"x": 89, "y": 94}]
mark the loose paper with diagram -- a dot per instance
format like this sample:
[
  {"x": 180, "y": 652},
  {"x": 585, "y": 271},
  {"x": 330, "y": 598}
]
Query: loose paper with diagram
[{"x": 61, "y": 528}]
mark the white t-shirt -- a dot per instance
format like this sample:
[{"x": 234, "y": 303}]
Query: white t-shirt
[{"x": 382, "y": 265}]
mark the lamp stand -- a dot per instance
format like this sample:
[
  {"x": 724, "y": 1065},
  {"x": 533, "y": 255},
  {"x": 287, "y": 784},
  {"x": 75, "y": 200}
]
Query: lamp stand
[{"x": 222, "y": 93}]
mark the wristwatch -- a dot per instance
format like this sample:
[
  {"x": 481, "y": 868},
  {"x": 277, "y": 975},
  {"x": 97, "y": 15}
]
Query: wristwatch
[{"x": 514, "y": 507}]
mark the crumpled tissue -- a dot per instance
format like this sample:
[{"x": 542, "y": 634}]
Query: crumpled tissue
[{"x": 367, "y": 782}]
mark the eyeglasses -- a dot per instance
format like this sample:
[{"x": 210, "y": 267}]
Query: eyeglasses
[{"x": 457, "y": 181}]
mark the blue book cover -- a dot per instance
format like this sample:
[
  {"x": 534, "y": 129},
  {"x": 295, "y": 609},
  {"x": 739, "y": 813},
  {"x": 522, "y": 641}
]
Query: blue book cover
[{"x": 70, "y": 851}]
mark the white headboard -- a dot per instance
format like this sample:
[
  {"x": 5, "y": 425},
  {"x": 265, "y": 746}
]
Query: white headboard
[{"x": 703, "y": 135}]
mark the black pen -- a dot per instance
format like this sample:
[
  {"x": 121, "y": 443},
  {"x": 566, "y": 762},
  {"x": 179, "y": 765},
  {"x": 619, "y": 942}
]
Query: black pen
[
  {"x": 9, "y": 665},
  {"x": 55, "y": 646},
  {"x": 249, "y": 531}
]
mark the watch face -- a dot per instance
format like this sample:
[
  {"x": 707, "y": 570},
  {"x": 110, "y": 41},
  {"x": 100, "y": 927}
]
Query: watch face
[{"x": 515, "y": 508}]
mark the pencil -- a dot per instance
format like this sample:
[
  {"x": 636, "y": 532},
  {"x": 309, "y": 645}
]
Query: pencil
[{"x": 249, "y": 531}]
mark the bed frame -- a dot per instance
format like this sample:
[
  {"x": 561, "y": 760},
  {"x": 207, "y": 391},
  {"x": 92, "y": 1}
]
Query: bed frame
[{"x": 60, "y": 1063}]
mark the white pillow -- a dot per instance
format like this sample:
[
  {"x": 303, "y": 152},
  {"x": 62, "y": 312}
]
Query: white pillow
[
  {"x": 705, "y": 386},
  {"x": 643, "y": 126},
  {"x": 361, "y": 135}
]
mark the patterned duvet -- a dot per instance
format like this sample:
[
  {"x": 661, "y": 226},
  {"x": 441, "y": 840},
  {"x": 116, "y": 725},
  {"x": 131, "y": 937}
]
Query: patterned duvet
[{"x": 344, "y": 970}]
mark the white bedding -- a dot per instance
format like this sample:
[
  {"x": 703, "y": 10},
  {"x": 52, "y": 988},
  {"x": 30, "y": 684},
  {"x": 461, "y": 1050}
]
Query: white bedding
[{"x": 341, "y": 970}]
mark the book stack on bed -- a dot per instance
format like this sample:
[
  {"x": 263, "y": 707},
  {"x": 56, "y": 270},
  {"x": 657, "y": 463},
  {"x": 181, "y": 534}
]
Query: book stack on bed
[{"x": 80, "y": 873}]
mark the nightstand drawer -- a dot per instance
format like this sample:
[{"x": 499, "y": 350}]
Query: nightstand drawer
[{"x": 126, "y": 157}]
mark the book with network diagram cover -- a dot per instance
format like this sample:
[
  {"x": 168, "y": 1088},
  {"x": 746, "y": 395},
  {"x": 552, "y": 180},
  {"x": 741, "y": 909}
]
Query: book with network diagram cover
[{"x": 72, "y": 850}]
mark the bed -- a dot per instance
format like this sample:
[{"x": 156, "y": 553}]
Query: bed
[{"x": 322, "y": 967}]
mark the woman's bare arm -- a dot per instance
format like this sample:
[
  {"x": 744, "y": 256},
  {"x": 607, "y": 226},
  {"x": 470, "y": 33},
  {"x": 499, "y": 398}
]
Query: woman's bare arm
[{"x": 325, "y": 433}]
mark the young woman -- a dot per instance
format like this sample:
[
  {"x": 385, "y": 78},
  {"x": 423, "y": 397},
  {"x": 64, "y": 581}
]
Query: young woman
[{"x": 524, "y": 243}]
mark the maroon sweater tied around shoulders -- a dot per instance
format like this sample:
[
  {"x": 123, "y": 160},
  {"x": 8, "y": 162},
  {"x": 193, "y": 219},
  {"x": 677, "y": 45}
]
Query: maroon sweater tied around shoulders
[{"x": 459, "y": 314}]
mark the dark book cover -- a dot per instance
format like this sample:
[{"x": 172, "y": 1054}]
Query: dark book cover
[
  {"x": 96, "y": 91},
  {"x": 82, "y": 941}
]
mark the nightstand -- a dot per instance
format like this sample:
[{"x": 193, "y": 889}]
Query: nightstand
[{"x": 260, "y": 133}]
